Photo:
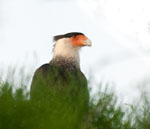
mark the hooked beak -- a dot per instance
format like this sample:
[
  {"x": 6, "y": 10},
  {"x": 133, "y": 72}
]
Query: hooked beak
[{"x": 88, "y": 42}]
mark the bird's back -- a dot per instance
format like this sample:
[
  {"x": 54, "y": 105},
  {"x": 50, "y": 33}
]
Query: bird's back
[{"x": 52, "y": 78}]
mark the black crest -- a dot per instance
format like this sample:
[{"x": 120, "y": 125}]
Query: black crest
[{"x": 68, "y": 35}]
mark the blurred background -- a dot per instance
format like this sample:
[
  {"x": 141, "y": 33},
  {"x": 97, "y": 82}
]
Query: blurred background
[{"x": 118, "y": 29}]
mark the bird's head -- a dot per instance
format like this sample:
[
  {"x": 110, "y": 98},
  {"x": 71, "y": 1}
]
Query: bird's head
[
  {"x": 75, "y": 39},
  {"x": 67, "y": 46}
]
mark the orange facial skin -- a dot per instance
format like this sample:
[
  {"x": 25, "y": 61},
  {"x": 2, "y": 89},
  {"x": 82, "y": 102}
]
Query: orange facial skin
[{"x": 78, "y": 40}]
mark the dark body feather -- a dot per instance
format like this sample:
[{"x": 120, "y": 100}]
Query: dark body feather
[
  {"x": 65, "y": 87},
  {"x": 59, "y": 77}
]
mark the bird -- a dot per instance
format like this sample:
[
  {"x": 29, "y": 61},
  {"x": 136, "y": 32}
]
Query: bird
[{"x": 61, "y": 80}]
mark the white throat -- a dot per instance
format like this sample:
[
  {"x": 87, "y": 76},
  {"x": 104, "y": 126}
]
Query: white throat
[{"x": 63, "y": 48}]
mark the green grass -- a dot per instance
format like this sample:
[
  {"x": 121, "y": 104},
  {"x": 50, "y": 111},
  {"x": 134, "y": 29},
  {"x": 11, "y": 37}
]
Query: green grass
[{"x": 18, "y": 111}]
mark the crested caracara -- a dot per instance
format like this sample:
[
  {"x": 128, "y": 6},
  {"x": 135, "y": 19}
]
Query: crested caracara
[{"x": 61, "y": 79}]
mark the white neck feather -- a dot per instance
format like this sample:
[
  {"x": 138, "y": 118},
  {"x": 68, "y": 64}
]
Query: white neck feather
[{"x": 63, "y": 48}]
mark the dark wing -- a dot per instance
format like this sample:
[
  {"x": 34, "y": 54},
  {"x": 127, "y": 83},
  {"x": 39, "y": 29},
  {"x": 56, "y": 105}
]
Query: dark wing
[{"x": 58, "y": 80}]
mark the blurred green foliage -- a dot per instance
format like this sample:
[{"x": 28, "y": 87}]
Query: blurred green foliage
[{"x": 18, "y": 111}]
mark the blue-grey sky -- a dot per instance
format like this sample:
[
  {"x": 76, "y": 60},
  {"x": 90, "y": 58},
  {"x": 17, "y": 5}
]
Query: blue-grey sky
[{"x": 119, "y": 30}]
